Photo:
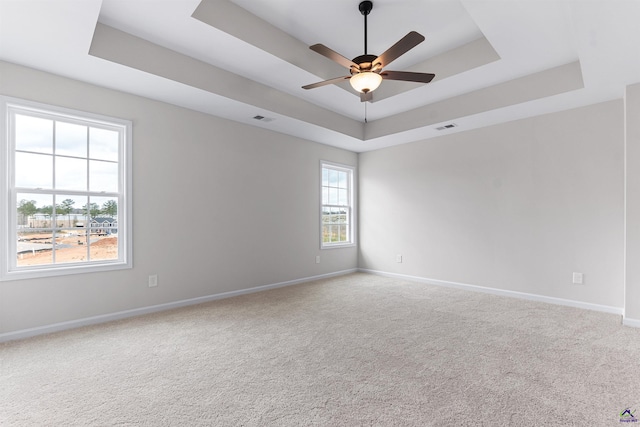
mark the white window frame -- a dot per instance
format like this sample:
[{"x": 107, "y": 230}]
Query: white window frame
[
  {"x": 351, "y": 171},
  {"x": 9, "y": 270}
]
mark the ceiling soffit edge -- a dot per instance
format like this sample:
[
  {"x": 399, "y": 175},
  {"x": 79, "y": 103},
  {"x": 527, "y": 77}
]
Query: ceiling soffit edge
[
  {"x": 547, "y": 83},
  {"x": 125, "y": 49},
  {"x": 239, "y": 23},
  {"x": 120, "y": 47}
]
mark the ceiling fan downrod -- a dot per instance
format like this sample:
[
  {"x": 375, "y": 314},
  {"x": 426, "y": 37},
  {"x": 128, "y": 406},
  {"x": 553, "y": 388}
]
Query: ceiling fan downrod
[{"x": 365, "y": 8}]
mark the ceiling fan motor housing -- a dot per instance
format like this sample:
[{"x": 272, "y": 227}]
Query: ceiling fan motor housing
[{"x": 365, "y": 63}]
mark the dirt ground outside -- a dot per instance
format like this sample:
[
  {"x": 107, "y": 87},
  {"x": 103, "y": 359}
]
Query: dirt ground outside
[{"x": 101, "y": 248}]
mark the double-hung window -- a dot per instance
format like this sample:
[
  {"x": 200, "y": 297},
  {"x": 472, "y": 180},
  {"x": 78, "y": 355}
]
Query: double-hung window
[
  {"x": 337, "y": 212},
  {"x": 66, "y": 191}
]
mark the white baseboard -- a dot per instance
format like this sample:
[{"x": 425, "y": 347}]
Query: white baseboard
[
  {"x": 57, "y": 327},
  {"x": 503, "y": 292},
  {"x": 631, "y": 322}
]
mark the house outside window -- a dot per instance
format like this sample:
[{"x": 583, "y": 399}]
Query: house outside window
[
  {"x": 66, "y": 170},
  {"x": 337, "y": 222}
]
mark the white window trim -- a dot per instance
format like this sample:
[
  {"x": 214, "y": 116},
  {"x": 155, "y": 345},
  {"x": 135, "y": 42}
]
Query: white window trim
[
  {"x": 7, "y": 189},
  {"x": 352, "y": 202}
]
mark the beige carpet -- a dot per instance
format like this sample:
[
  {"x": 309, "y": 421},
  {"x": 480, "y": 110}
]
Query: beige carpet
[{"x": 354, "y": 350}]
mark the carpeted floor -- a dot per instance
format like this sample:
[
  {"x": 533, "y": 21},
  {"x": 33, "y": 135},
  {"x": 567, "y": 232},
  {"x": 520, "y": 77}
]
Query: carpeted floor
[{"x": 349, "y": 351}]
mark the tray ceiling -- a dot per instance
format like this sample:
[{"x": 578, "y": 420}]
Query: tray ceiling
[{"x": 494, "y": 60}]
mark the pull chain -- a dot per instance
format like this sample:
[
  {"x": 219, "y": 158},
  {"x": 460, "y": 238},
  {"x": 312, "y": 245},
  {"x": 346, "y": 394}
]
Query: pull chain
[{"x": 365, "y": 112}]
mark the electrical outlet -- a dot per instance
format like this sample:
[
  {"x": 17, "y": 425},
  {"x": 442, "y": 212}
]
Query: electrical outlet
[
  {"x": 399, "y": 258},
  {"x": 578, "y": 278},
  {"x": 153, "y": 280},
  {"x": 317, "y": 259}
]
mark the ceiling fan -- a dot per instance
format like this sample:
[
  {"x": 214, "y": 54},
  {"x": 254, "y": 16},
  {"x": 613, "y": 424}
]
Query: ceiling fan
[{"x": 367, "y": 70}]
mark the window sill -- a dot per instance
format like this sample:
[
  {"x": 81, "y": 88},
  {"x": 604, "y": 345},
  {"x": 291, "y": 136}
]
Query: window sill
[
  {"x": 34, "y": 273},
  {"x": 338, "y": 246}
]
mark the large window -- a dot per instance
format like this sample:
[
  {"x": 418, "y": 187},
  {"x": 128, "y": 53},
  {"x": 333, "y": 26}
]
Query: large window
[
  {"x": 67, "y": 186},
  {"x": 337, "y": 213}
]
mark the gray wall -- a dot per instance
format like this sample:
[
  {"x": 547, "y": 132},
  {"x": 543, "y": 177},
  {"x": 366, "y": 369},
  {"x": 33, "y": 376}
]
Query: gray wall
[
  {"x": 248, "y": 200},
  {"x": 517, "y": 206}
]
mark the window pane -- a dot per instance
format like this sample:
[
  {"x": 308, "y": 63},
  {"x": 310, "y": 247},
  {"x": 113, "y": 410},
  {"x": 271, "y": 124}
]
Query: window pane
[
  {"x": 325, "y": 177},
  {"x": 325, "y": 195},
  {"x": 103, "y": 242},
  {"x": 335, "y": 217},
  {"x": 33, "y": 245},
  {"x": 342, "y": 179},
  {"x": 326, "y": 233},
  {"x": 27, "y": 218},
  {"x": 71, "y": 174},
  {"x": 333, "y": 177},
  {"x": 334, "y": 233},
  {"x": 71, "y": 139},
  {"x": 34, "y": 170},
  {"x": 69, "y": 238},
  {"x": 333, "y": 196},
  {"x": 28, "y": 209},
  {"x": 103, "y": 144},
  {"x": 103, "y": 176},
  {"x": 80, "y": 216},
  {"x": 34, "y": 248},
  {"x": 34, "y": 134},
  {"x": 342, "y": 197},
  {"x": 343, "y": 233}
]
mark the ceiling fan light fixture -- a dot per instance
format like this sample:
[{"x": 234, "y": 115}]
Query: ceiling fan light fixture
[{"x": 366, "y": 81}]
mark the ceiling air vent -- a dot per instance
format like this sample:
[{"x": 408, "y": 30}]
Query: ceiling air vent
[
  {"x": 449, "y": 126},
  {"x": 263, "y": 118}
]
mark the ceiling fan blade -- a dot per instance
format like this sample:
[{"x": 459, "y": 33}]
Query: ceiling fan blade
[
  {"x": 404, "y": 45},
  {"x": 326, "y": 82},
  {"x": 407, "y": 76},
  {"x": 364, "y": 97},
  {"x": 333, "y": 55}
]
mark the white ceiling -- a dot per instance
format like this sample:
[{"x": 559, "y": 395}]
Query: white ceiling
[{"x": 494, "y": 60}]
